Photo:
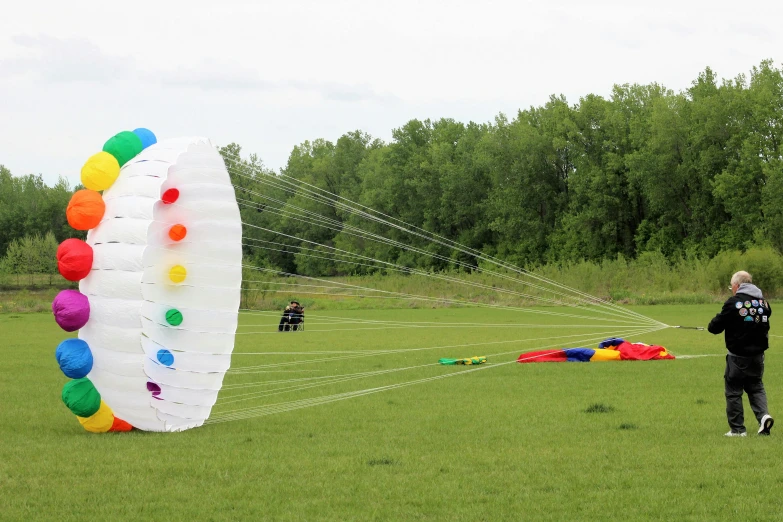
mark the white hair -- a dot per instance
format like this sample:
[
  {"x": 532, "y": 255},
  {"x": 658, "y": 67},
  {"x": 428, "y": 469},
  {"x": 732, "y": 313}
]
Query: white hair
[{"x": 741, "y": 277}]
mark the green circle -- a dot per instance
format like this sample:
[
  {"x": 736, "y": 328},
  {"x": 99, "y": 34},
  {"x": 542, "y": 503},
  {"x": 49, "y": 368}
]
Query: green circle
[
  {"x": 81, "y": 397},
  {"x": 174, "y": 317},
  {"x": 123, "y": 146}
]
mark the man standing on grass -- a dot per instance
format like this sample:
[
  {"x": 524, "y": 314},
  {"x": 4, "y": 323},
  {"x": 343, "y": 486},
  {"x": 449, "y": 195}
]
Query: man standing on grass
[{"x": 745, "y": 318}]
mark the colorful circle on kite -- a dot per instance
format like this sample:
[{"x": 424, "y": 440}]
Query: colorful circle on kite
[
  {"x": 120, "y": 425},
  {"x": 85, "y": 210},
  {"x": 100, "y": 171},
  {"x": 99, "y": 422},
  {"x": 165, "y": 357},
  {"x": 74, "y": 259},
  {"x": 74, "y": 358},
  {"x": 178, "y": 232},
  {"x": 174, "y": 317},
  {"x": 81, "y": 397},
  {"x": 71, "y": 310},
  {"x": 123, "y": 146},
  {"x": 146, "y": 136},
  {"x": 170, "y": 196},
  {"x": 178, "y": 273},
  {"x": 153, "y": 388}
]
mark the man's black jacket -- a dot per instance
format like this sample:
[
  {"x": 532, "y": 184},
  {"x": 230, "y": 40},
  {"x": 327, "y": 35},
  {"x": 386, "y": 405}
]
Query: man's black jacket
[{"x": 745, "y": 318}]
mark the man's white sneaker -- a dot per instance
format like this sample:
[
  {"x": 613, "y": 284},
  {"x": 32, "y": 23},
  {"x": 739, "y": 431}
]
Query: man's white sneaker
[
  {"x": 766, "y": 424},
  {"x": 735, "y": 434}
]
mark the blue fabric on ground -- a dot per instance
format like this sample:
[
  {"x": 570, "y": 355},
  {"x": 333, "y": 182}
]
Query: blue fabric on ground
[
  {"x": 579, "y": 354},
  {"x": 612, "y": 341}
]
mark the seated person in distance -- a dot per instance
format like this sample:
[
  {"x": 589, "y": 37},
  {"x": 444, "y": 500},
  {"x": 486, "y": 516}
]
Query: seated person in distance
[{"x": 293, "y": 316}]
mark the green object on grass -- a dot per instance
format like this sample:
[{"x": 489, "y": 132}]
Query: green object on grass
[{"x": 467, "y": 361}]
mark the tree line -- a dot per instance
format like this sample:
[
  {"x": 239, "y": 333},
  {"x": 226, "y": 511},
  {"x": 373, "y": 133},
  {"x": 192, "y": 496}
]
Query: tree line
[
  {"x": 646, "y": 169},
  {"x": 32, "y": 223},
  {"x": 690, "y": 173}
]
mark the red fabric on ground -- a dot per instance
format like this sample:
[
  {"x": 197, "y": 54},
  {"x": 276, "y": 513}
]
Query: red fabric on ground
[
  {"x": 641, "y": 352},
  {"x": 543, "y": 356}
]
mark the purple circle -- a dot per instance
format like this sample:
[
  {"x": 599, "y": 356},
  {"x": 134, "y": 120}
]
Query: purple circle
[
  {"x": 71, "y": 310},
  {"x": 154, "y": 388}
]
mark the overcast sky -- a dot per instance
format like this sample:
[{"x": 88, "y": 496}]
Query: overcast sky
[{"x": 269, "y": 75}]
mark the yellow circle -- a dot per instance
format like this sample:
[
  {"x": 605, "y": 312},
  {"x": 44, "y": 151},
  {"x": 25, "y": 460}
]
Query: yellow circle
[
  {"x": 177, "y": 274},
  {"x": 100, "y": 172},
  {"x": 99, "y": 422}
]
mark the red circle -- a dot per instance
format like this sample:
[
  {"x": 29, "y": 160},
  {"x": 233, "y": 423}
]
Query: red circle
[
  {"x": 74, "y": 259},
  {"x": 170, "y": 196}
]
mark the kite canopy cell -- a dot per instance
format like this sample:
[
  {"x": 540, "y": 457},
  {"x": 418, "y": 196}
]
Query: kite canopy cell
[
  {"x": 85, "y": 210},
  {"x": 159, "y": 285},
  {"x": 71, "y": 310}
]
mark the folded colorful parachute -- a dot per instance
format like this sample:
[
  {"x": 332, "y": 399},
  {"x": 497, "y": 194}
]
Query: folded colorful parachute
[{"x": 613, "y": 349}]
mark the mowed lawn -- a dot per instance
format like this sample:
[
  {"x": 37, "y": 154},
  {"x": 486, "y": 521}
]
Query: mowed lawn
[{"x": 495, "y": 442}]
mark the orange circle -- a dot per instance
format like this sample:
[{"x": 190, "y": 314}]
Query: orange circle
[
  {"x": 85, "y": 210},
  {"x": 178, "y": 232}
]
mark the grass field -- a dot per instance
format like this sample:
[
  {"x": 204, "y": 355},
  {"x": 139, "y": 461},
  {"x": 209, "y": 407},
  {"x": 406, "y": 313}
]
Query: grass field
[{"x": 498, "y": 442}]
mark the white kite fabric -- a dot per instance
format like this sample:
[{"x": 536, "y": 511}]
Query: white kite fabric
[{"x": 164, "y": 287}]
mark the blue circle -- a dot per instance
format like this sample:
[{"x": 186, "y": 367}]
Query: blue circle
[
  {"x": 74, "y": 357},
  {"x": 146, "y": 136},
  {"x": 165, "y": 357}
]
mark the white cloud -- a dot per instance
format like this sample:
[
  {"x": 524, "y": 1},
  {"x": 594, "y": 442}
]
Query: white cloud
[
  {"x": 270, "y": 74},
  {"x": 54, "y": 60}
]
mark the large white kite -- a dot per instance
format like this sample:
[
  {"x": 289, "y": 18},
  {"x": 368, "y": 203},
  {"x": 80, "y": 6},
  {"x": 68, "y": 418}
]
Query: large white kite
[{"x": 159, "y": 285}]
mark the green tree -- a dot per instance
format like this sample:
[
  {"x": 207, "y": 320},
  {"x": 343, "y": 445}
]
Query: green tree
[
  {"x": 530, "y": 161},
  {"x": 757, "y": 109},
  {"x": 47, "y": 252}
]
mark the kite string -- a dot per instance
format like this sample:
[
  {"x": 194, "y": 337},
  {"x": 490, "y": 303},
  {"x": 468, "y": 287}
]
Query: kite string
[
  {"x": 360, "y": 375},
  {"x": 449, "y": 243},
  {"x": 451, "y": 279},
  {"x": 364, "y": 375},
  {"x": 406, "y": 295},
  {"x": 356, "y": 320},
  {"x": 334, "y": 320},
  {"x": 343, "y": 227},
  {"x": 400, "y": 268},
  {"x": 292, "y": 405},
  {"x": 394, "y": 326},
  {"x": 245, "y": 369},
  {"x": 370, "y": 354},
  {"x": 593, "y": 300},
  {"x": 426, "y": 274},
  {"x": 405, "y": 326}
]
